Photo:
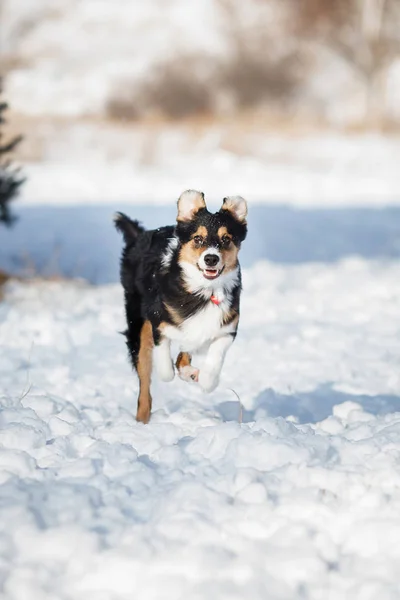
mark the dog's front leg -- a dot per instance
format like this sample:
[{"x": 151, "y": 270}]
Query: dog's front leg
[
  {"x": 162, "y": 359},
  {"x": 209, "y": 374}
]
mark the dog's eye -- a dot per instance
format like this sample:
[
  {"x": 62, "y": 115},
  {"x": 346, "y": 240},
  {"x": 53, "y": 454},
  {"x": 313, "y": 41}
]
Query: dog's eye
[
  {"x": 226, "y": 241},
  {"x": 198, "y": 240}
]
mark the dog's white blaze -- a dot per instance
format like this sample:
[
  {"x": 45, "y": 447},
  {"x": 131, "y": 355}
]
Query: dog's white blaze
[
  {"x": 211, "y": 250},
  {"x": 173, "y": 243}
]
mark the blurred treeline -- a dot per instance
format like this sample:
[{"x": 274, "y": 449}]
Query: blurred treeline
[
  {"x": 328, "y": 61},
  {"x": 334, "y": 62}
]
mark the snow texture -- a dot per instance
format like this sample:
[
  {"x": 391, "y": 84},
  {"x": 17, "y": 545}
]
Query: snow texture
[{"x": 296, "y": 495}]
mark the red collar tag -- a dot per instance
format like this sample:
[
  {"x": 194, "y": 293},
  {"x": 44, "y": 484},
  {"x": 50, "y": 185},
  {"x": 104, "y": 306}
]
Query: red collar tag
[{"x": 215, "y": 300}]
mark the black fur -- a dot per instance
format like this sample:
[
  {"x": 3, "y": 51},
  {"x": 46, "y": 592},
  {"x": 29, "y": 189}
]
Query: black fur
[{"x": 213, "y": 222}]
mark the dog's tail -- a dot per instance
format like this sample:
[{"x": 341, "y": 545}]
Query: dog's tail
[{"x": 130, "y": 229}]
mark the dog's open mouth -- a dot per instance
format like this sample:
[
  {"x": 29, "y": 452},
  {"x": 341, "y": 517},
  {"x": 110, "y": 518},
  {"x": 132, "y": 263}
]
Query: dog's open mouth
[{"x": 211, "y": 273}]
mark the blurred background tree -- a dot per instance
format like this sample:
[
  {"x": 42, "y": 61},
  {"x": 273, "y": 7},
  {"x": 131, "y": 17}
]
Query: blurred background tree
[
  {"x": 10, "y": 177},
  {"x": 365, "y": 34},
  {"x": 328, "y": 60}
]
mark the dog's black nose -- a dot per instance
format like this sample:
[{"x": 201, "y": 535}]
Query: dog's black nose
[{"x": 211, "y": 260}]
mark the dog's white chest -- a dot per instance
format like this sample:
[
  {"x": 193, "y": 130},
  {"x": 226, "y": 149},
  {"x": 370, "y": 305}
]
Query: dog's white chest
[{"x": 200, "y": 329}]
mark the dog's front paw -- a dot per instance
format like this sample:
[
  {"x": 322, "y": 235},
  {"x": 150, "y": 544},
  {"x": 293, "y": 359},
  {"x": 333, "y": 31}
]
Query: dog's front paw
[
  {"x": 208, "y": 380},
  {"x": 166, "y": 371},
  {"x": 189, "y": 373}
]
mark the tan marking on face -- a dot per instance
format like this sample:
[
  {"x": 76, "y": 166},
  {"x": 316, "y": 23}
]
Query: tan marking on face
[
  {"x": 144, "y": 365},
  {"x": 230, "y": 257},
  {"x": 223, "y": 231},
  {"x": 189, "y": 252},
  {"x": 201, "y": 231}
]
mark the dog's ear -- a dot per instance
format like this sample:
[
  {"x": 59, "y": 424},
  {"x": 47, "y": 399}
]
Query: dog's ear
[
  {"x": 189, "y": 203},
  {"x": 237, "y": 206}
]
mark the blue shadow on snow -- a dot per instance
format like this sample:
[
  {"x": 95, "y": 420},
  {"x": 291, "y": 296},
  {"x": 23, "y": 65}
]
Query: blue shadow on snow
[
  {"x": 307, "y": 407},
  {"x": 80, "y": 240}
]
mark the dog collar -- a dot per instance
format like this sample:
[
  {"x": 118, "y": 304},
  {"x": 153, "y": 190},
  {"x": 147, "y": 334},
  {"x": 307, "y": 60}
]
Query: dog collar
[{"x": 215, "y": 300}]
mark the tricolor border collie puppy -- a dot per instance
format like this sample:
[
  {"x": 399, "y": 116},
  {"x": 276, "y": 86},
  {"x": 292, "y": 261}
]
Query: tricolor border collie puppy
[{"x": 182, "y": 284}]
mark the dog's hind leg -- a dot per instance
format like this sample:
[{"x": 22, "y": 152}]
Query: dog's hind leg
[
  {"x": 139, "y": 339},
  {"x": 185, "y": 369},
  {"x": 144, "y": 366}
]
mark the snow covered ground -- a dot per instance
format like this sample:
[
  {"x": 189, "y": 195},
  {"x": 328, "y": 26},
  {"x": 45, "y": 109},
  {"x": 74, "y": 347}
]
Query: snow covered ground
[{"x": 301, "y": 499}]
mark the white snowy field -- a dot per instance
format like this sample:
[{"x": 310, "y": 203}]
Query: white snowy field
[
  {"x": 93, "y": 164},
  {"x": 301, "y": 499}
]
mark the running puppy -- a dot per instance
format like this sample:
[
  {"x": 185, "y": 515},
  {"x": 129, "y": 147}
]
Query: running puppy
[{"x": 182, "y": 283}]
